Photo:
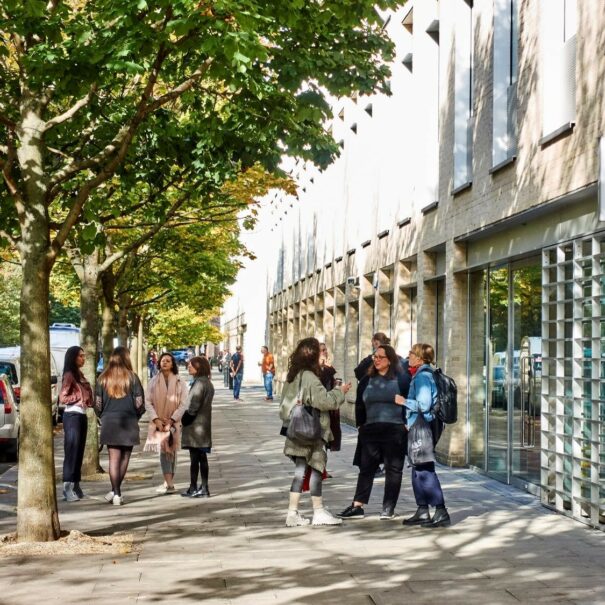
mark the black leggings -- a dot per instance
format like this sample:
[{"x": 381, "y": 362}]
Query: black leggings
[
  {"x": 119, "y": 457},
  {"x": 199, "y": 466},
  {"x": 299, "y": 477}
]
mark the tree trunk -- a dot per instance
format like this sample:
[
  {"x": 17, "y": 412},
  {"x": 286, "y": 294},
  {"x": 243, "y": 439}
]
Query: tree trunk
[
  {"x": 134, "y": 345},
  {"x": 89, "y": 340},
  {"x": 141, "y": 357},
  {"x": 37, "y": 517},
  {"x": 123, "y": 326},
  {"x": 108, "y": 313}
]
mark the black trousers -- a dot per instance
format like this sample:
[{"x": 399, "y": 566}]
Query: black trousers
[
  {"x": 381, "y": 442},
  {"x": 75, "y": 426}
]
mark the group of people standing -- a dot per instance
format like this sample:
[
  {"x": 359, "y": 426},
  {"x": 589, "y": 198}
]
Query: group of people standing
[
  {"x": 392, "y": 393},
  {"x": 180, "y": 418}
]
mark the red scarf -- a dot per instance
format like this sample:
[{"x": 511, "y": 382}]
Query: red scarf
[{"x": 413, "y": 370}]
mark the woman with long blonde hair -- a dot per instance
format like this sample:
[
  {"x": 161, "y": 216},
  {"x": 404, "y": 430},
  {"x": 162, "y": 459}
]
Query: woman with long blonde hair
[{"x": 119, "y": 402}]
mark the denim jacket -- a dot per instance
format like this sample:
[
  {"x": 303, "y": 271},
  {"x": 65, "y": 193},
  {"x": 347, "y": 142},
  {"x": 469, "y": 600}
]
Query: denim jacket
[{"x": 422, "y": 395}]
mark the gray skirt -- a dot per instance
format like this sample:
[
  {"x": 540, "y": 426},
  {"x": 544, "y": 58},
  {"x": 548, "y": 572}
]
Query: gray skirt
[{"x": 120, "y": 430}]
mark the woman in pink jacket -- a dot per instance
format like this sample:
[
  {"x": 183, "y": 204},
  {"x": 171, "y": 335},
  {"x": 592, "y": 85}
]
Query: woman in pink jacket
[
  {"x": 165, "y": 401},
  {"x": 76, "y": 395}
]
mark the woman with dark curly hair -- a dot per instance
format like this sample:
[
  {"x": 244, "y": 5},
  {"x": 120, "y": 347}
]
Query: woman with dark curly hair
[
  {"x": 382, "y": 437},
  {"x": 303, "y": 386}
]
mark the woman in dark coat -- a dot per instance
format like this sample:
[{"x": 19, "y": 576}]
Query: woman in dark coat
[
  {"x": 119, "y": 402},
  {"x": 382, "y": 436},
  {"x": 197, "y": 429}
]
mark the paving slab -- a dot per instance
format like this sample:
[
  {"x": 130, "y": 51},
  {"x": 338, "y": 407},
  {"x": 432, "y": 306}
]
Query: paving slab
[{"x": 234, "y": 548}]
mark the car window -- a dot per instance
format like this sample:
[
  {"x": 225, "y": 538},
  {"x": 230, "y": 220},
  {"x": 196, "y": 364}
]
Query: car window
[
  {"x": 2, "y": 393},
  {"x": 10, "y": 370}
]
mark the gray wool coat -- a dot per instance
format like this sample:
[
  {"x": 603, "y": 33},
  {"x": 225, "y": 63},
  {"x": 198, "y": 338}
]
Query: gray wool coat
[
  {"x": 315, "y": 395},
  {"x": 199, "y": 404}
]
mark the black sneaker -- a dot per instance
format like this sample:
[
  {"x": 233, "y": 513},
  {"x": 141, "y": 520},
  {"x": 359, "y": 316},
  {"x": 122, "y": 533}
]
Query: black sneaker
[
  {"x": 190, "y": 492},
  {"x": 387, "y": 513},
  {"x": 352, "y": 512}
]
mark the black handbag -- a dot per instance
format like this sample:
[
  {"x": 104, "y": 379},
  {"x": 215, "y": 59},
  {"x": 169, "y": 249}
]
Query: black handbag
[
  {"x": 304, "y": 426},
  {"x": 187, "y": 419},
  {"x": 420, "y": 442}
]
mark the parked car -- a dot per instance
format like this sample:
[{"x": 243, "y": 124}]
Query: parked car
[
  {"x": 499, "y": 387},
  {"x": 10, "y": 364},
  {"x": 180, "y": 355},
  {"x": 9, "y": 420}
]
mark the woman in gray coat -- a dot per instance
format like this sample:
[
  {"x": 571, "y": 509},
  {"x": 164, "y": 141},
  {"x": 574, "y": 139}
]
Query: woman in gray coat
[
  {"x": 303, "y": 386},
  {"x": 197, "y": 426}
]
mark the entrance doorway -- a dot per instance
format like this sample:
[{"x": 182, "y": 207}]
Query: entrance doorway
[{"x": 514, "y": 373}]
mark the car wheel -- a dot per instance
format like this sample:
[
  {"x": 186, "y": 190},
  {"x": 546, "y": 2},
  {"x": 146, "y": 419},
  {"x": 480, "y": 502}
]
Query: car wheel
[{"x": 12, "y": 451}]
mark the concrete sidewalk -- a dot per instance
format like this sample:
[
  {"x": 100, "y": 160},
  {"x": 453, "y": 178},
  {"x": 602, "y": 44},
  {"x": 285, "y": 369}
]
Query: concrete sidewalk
[{"x": 234, "y": 548}]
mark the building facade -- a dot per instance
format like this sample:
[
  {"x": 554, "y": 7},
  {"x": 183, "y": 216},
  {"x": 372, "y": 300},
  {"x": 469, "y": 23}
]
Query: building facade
[{"x": 464, "y": 211}]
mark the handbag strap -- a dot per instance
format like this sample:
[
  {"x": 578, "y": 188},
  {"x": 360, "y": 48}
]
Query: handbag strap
[{"x": 299, "y": 395}]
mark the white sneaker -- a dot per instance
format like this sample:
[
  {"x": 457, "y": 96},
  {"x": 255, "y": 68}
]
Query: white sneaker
[
  {"x": 165, "y": 489},
  {"x": 294, "y": 519},
  {"x": 108, "y": 496},
  {"x": 322, "y": 516},
  {"x": 117, "y": 501}
]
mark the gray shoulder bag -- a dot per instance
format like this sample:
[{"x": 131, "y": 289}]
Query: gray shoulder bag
[{"x": 304, "y": 426}]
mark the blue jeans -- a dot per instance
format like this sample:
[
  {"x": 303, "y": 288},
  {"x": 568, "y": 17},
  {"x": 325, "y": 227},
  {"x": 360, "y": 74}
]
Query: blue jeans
[
  {"x": 268, "y": 380},
  {"x": 237, "y": 385}
]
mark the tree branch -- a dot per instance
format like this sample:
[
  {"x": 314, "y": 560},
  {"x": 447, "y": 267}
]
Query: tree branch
[
  {"x": 145, "y": 237},
  {"x": 7, "y": 122},
  {"x": 71, "y": 112}
]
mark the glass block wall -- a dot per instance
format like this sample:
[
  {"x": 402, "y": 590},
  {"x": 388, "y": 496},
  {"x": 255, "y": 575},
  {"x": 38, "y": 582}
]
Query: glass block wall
[{"x": 573, "y": 379}]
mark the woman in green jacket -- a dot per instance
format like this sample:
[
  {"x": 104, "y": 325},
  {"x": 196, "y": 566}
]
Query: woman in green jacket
[{"x": 303, "y": 384}]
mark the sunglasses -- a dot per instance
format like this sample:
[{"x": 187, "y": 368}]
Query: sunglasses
[{"x": 379, "y": 357}]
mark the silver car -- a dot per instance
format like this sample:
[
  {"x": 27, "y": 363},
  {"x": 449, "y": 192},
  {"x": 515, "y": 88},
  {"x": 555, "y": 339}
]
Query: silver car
[{"x": 9, "y": 420}]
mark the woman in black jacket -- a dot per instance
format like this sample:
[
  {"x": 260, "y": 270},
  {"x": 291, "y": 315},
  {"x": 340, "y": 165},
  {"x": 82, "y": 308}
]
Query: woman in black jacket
[
  {"x": 382, "y": 437},
  {"x": 119, "y": 402}
]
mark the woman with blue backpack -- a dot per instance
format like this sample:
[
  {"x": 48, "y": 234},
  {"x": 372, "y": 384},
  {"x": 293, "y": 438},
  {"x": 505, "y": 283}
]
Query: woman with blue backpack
[{"x": 420, "y": 405}]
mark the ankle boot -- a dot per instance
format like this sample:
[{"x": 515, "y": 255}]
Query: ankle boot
[
  {"x": 420, "y": 516},
  {"x": 441, "y": 518}
]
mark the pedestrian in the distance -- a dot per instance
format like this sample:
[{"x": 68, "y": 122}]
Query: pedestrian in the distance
[
  {"x": 421, "y": 401},
  {"x": 119, "y": 402},
  {"x": 76, "y": 396},
  {"x": 236, "y": 365},
  {"x": 267, "y": 365},
  {"x": 165, "y": 401},
  {"x": 303, "y": 386},
  {"x": 197, "y": 427}
]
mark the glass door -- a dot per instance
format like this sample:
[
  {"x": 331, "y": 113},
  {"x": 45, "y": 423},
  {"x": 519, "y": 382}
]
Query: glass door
[
  {"x": 514, "y": 372},
  {"x": 526, "y": 372},
  {"x": 497, "y": 374}
]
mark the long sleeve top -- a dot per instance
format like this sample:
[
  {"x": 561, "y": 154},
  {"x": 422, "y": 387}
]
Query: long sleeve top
[
  {"x": 75, "y": 392},
  {"x": 422, "y": 395},
  {"x": 379, "y": 399}
]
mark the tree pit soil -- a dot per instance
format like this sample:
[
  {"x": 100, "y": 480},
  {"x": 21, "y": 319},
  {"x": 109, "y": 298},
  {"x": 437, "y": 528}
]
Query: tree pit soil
[{"x": 70, "y": 543}]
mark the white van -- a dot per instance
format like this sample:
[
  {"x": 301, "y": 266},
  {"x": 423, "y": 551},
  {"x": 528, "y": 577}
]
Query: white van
[{"x": 10, "y": 364}]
